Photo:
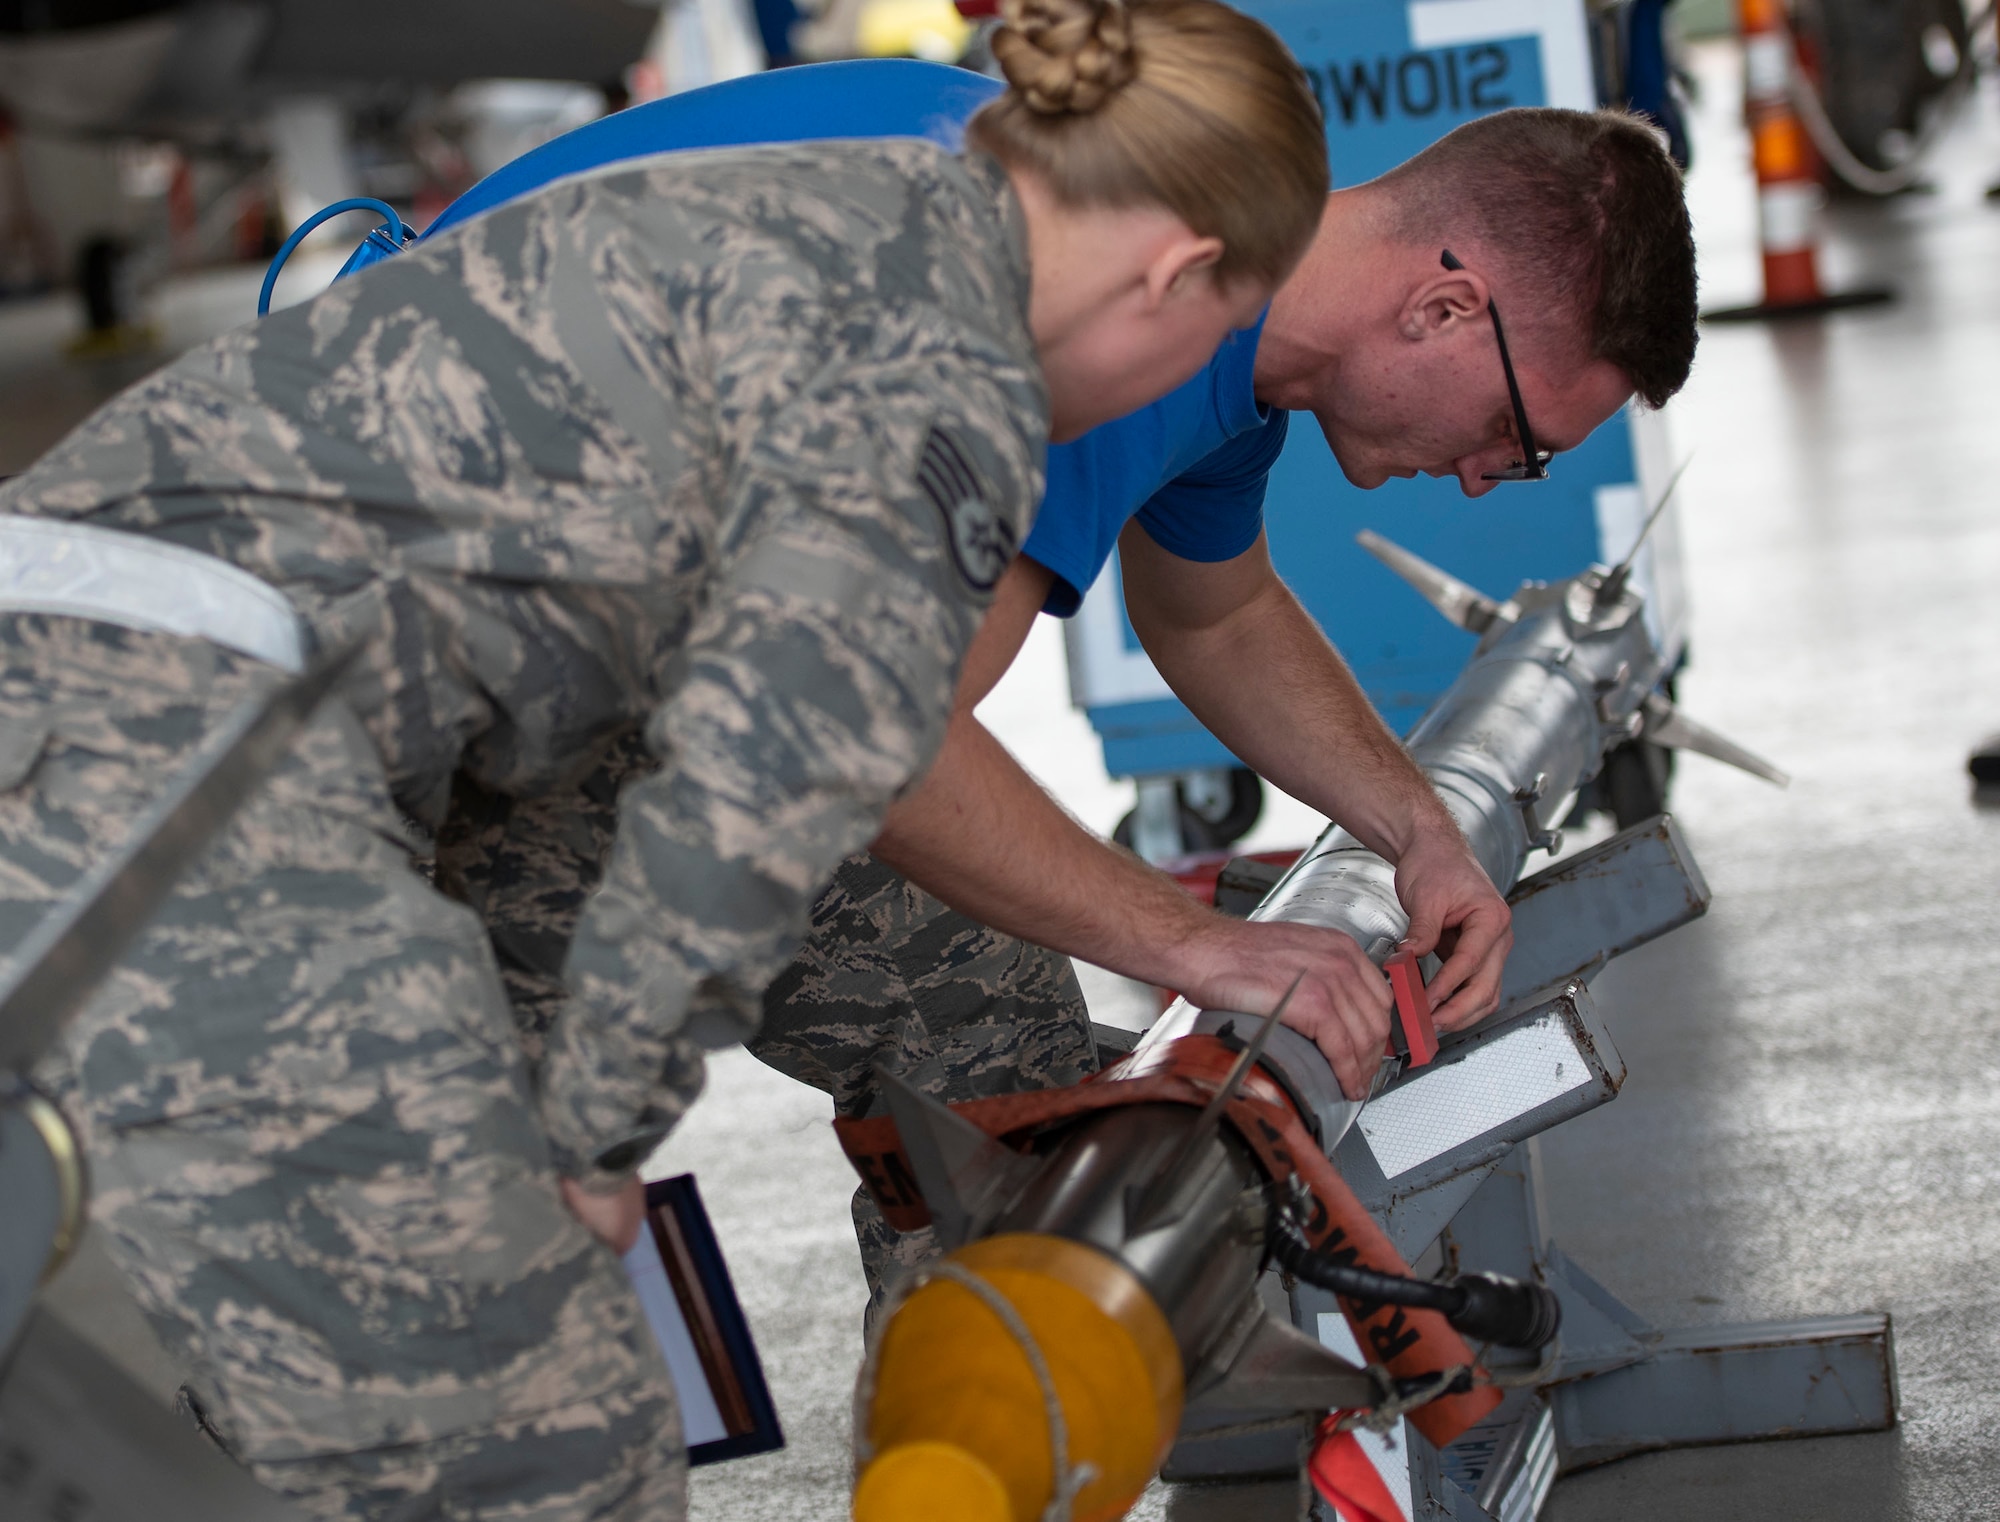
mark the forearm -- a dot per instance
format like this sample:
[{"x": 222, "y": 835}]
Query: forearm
[
  {"x": 1266, "y": 682},
  {"x": 983, "y": 836},
  {"x": 1306, "y": 725},
  {"x": 1236, "y": 646}
]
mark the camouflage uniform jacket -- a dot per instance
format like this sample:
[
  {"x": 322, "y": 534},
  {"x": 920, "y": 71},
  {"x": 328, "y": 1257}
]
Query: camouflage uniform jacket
[{"x": 730, "y": 445}]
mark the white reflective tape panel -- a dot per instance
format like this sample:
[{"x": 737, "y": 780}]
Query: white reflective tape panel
[
  {"x": 1389, "y": 1452},
  {"x": 74, "y": 570},
  {"x": 1537, "y": 1475},
  {"x": 1787, "y": 217},
  {"x": 1427, "y": 1117},
  {"x": 1766, "y": 64}
]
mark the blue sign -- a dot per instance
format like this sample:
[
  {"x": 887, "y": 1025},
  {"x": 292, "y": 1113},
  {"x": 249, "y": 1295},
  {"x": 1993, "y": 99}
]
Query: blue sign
[
  {"x": 1391, "y": 78},
  {"x": 1384, "y": 98}
]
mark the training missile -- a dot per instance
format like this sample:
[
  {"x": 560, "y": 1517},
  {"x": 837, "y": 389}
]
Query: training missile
[{"x": 1104, "y": 1244}]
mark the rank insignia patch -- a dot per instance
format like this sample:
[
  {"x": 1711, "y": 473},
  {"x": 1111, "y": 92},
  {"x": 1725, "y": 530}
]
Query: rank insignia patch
[{"x": 982, "y": 543}]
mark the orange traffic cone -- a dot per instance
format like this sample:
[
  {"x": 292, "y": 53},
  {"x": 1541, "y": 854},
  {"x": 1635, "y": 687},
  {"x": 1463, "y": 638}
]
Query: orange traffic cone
[{"x": 1788, "y": 189}]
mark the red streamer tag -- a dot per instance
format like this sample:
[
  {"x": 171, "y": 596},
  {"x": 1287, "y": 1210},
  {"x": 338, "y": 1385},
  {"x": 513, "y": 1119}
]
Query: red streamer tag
[
  {"x": 1413, "y": 1007},
  {"x": 1346, "y": 1479}
]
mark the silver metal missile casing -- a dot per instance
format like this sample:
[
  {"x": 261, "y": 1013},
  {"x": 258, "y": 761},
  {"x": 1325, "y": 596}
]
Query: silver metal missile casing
[
  {"x": 1556, "y": 681},
  {"x": 1197, "y": 1261},
  {"x": 1562, "y": 673}
]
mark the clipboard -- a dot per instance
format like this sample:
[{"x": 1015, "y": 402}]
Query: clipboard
[{"x": 683, "y": 1285}]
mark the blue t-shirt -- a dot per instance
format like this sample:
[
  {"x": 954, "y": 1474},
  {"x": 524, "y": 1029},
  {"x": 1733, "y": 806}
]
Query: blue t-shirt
[{"x": 1191, "y": 467}]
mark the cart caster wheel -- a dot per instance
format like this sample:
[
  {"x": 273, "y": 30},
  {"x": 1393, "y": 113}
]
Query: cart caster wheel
[{"x": 1217, "y": 808}]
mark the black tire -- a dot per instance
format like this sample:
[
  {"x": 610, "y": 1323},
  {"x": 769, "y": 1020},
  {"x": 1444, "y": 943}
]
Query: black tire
[
  {"x": 1197, "y": 834},
  {"x": 1633, "y": 785},
  {"x": 1984, "y": 763},
  {"x": 101, "y": 278},
  {"x": 1214, "y": 830},
  {"x": 1874, "y": 76},
  {"x": 1246, "y": 804}
]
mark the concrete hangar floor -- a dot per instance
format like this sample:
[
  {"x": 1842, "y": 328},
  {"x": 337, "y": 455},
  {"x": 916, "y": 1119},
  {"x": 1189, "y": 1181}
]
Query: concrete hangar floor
[{"x": 1812, "y": 1121}]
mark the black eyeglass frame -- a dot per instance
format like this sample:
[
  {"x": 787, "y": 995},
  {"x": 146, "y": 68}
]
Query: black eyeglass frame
[{"x": 1534, "y": 463}]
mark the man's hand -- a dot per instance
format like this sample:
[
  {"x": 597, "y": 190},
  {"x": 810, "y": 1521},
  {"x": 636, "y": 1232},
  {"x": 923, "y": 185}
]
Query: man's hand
[
  {"x": 1237, "y": 648},
  {"x": 1342, "y": 1005},
  {"x": 614, "y": 1219},
  {"x": 1455, "y": 910}
]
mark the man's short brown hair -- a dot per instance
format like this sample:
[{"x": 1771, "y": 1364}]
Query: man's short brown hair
[{"x": 1586, "y": 213}]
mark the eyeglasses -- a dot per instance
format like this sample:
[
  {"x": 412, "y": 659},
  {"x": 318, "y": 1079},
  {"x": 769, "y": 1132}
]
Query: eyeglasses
[{"x": 1533, "y": 464}]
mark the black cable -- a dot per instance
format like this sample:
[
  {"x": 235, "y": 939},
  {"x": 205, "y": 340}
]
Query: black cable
[
  {"x": 1298, "y": 1257},
  {"x": 1485, "y": 1307}
]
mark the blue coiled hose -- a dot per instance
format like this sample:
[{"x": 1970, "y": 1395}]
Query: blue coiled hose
[{"x": 397, "y": 235}]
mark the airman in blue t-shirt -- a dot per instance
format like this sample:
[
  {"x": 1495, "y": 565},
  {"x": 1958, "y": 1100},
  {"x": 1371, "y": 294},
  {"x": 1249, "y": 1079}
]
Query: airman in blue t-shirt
[{"x": 1389, "y": 335}]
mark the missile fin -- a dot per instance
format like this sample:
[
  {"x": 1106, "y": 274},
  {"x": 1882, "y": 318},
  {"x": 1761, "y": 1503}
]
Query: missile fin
[
  {"x": 1668, "y": 726},
  {"x": 967, "y": 1177},
  {"x": 1466, "y": 606},
  {"x": 1279, "y": 1369},
  {"x": 1613, "y": 586}
]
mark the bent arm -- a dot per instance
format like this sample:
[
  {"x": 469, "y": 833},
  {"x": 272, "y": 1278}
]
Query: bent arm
[
  {"x": 1236, "y": 647},
  {"x": 1249, "y": 662},
  {"x": 981, "y": 835}
]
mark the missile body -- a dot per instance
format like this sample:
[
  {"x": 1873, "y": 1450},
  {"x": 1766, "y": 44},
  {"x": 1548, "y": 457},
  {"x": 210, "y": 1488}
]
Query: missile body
[
  {"x": 1180, "y": 1212},
  {"x": 1197, "y": 1252},
  {"x": 1558, "y": 679}
]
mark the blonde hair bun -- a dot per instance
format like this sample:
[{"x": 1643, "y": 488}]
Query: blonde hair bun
[
  {"x": 1065, "y": 57},
  {"x": 1186, "y": 105}
]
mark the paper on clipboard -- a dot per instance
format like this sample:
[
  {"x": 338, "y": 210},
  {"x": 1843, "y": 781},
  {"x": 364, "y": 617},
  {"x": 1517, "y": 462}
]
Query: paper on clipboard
[
  {"x": 683, "y": 1285},
  {"x": 701, "y": 1419}
]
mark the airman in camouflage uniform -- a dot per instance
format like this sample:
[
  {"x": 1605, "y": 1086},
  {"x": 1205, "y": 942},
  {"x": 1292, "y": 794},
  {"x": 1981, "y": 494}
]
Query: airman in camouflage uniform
[
  {"x": 888, "y": 977},
  {"x": 727, "y": 450}
]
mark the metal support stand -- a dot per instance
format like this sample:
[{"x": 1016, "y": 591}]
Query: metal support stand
[
  {"x": 1618, "y": 1385},
  {"x": 1622, "y": 1386},
  {"x": 1445, "y": 1159}
]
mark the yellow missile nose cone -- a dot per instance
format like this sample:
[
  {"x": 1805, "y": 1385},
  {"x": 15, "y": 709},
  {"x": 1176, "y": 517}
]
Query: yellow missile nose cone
[
  {"x": 955, "y": 1392},
  {"x": 921, "y": 1482}
]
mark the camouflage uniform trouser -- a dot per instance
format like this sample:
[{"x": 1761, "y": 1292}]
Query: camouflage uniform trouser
[
  {"x": 892, "y": 977},
  {"x": 309, "y": 1122},
  {"x": 888, "y": 976}
]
